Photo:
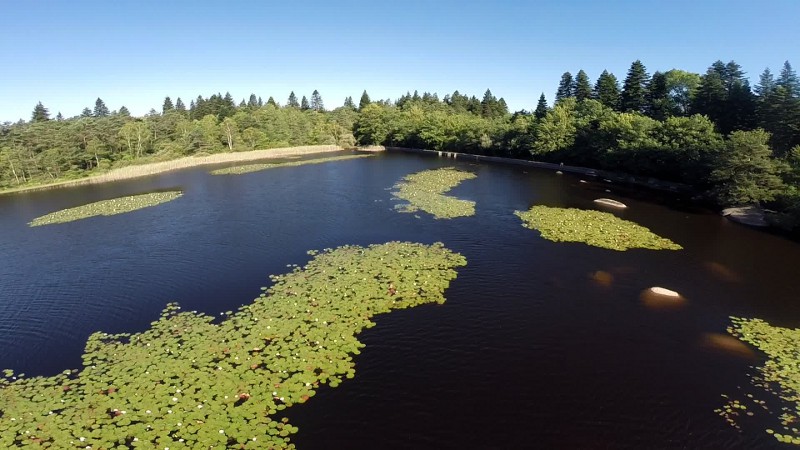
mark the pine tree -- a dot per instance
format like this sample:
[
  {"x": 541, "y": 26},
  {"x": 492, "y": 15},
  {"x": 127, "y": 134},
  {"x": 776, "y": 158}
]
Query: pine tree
[
  {"x": 100, "y": 108},
  {"x": 364, "y": 100},
  {"x": 304, "y": 104},
  {"x": 271, "y": 101},
  {"x": 167, "y": 106},
  {"x": 40, "y": 113},
  {"x": 766, "y": 84},
  {"x": 788, "y": 80},
  {"x": 123, "y": 111},
  {"x": 179, "y": 106},
  {"x": 260, "y": 102},
  {"x": 711, "y": 96},
  {"x": 59, "y": 117},
  {"x": 252, "y": 102},
  {"x": 634, "y": 89},
  {"x": 583, "y": 89},
  {"x": 316, "y": 101},
  {"x": 488, "y": 104},
  {"x": 658, "y": 103},
  {"x": 565, "y": 88},
  {"x": 86, "y": 112},
  {"x": 292, "y": 102},
  {"x": 349, "y": 103},
  {"x": 606, "y": 90},
  {"x": 541, "y": 107}
]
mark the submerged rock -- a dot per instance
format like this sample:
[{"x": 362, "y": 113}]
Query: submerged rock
[
  {"x": 610, "y": 202},
  {"x": 748, "y": 215}
]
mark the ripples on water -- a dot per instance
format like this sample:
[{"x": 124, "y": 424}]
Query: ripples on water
[{"x": 540, "y": 344}]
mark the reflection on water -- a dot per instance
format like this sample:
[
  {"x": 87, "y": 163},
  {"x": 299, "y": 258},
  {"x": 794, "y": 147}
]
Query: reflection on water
[
  {"x": 727, "y": 344},
  {"x": 602, "y": 278},
  {"x": 721, "y": 272}
]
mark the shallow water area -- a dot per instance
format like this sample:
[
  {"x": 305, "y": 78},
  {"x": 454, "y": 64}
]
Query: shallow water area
[{"x": 539, "y": 344}]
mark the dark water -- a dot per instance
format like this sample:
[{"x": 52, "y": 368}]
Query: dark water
[{"x": 528, "y": 351}]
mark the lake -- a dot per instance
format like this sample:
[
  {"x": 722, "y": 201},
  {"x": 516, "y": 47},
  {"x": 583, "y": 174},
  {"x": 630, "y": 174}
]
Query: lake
[{"x": 529, "y": 351}]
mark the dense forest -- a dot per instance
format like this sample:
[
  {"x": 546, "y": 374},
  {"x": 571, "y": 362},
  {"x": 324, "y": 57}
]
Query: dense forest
[{"x": 733, "y": 143}]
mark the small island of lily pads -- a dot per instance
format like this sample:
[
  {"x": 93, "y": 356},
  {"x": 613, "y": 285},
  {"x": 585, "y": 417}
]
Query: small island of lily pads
[
  {"x": 779, "y": 375},
  {"x": 249, "y": 168},
  {"x": 109, "y": 207},
  {"x": 596, "y": 228},
  {"x": 425, "y": 191},
  {"x": 189, "y": 382}
]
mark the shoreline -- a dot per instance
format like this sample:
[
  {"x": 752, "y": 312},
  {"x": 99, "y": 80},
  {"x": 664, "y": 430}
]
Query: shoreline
[{"x": 154, "y": 168}]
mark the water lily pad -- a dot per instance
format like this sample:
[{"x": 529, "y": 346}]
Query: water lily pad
[
  {"x": 425, "y": 191},
  {"x": 110, "y": 207},
  {"x": 248, "y": 168},
  {"x": 596, "y": 228}
]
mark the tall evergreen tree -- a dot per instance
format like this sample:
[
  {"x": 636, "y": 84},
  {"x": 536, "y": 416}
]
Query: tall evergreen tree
[
  {"x": 179, "y": 106},
  {"x": 488, "y": 104},
  {"x": 711, "y": 96},
  {"x": 364, "y": 100},
  {"x": 304, "y": 104},
  {"x": 252, "y": 102},
  {"x": 123, "y": 111},
  {"x": 100, "y": 108},
  {"x": 565, "y": 87},
  {"x": 292, "y": 102},
  {"x": 167, "y": 106},
  {"x": 541, "y": 107},
  {"x": 583, "y": 89},
  {"x": 271, "y": 101},
  {"x": 349, "y": 103},
  {"x": 606, "y": 90},
  {"x": 634, "y": 89},
  {"x": 86, "y": 112},
  {"x": 658, "y": 102},
  {"x": 40, "y": 113},
  {"x": 766, "y": 84},
  {"x": 788, "y": 80},
  {"x": 260, "y": 103},
  {"x": 59, "y": 117}
]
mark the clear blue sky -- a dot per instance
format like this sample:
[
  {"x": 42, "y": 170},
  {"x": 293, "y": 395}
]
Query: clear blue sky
[{"x": 134, "y": 53}]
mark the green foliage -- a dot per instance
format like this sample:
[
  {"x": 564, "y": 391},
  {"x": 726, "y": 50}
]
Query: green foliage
[
  {"x": 557, "y": 129},
  {"x": 599, "y": 229},
  {"x": 659, "y": 104},
  {"x": 248, "y": 168},
  {"x": 167, "y": 106},
  {"x": 114, "y": 206},
  {"x": 316, "y": 101},
  {"x": 188, "y": 383},
  {"x": 745, "y": 172},
  {"x": 100, "y": 108},
  {"x": 425, "y": 191},
  {"x": 681, "y": 87}
]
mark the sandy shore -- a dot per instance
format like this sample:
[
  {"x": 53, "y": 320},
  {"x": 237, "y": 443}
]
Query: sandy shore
[{"x": 143, "y": 170}]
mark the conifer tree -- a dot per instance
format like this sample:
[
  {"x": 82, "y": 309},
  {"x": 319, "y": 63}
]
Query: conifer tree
[
  {"x": 271, "y": 101},
  {"x": 123, "y": 111},
  {"x": 292, "y": 102},
  {"x": 59, "y": 117},
  {"x": 658, "y": 103},
  {"x": 606, "y": 90},
  {"x": 179, "y": 106},
  {"x": 252, "y": 102},
  {"x": 86, "y": 112},
  {"x": 304, "y": 104},
  {"x": 634, "y": 89},
  {"x": 565, "y": 88},
  {"x": 364, "y": 100},
  {"x": 316, "y": 101},
  {"x": 40, "y": 113},
  {"x": 349, "y": 103},
  {"x": 541, "y": 107},
  {"x": 100, "y": 108},
  {"x": 167, "y": 106},
  {"x": 583, "y": 89}
]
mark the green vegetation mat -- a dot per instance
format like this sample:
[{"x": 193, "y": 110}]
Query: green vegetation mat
[
  {"x": 189, "y": 383},
  {"x": 780, "y": 375},
  {"x": 110, "y": 207},
  {"x": 247, "y": 168},
  {"x": 425, "y": 191},
  {"x": 596, "y": 228}
]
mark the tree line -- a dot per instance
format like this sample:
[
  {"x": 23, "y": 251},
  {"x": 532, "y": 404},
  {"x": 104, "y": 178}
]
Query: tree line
[{"x": 733, "y": 143}]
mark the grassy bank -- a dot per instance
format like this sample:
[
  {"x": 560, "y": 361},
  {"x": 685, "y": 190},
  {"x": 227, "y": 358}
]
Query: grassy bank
[{"x": 142, "y": 170}]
